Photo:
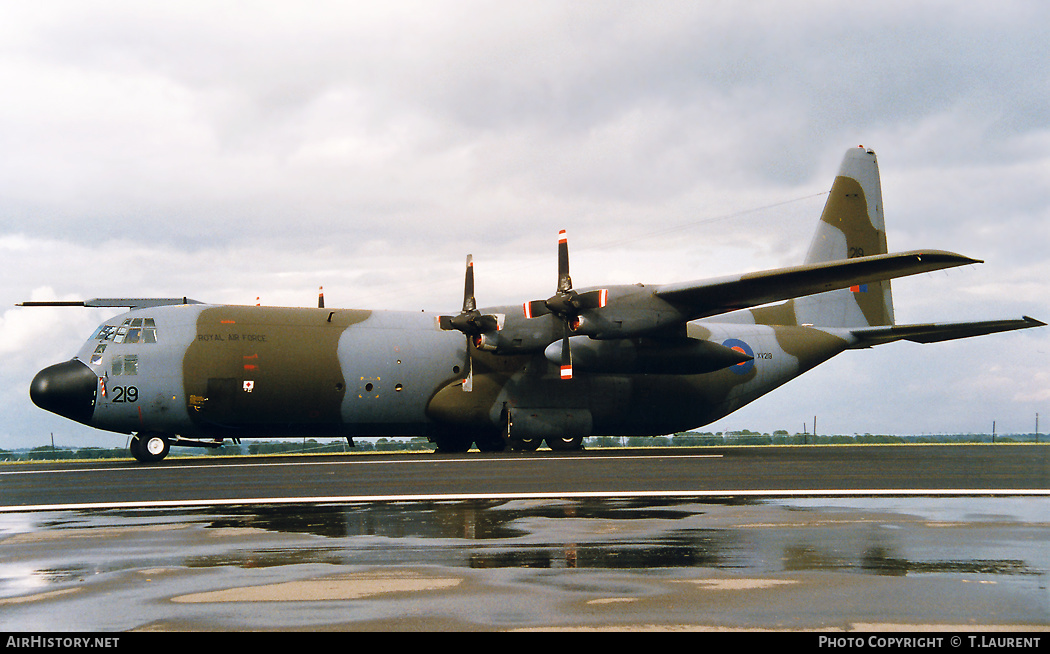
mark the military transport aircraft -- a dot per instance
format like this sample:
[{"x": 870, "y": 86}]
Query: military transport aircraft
[{"x": 643, "y": 359}]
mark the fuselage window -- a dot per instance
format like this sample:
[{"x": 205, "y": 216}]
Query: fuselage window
[{"x": 127, "y": 364}]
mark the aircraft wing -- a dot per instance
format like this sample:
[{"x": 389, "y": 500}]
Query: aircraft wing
[
  {"x": 711, "y": 297},
  {"x": 116, "y": 302},
  {"x": 937, "y": 332}
]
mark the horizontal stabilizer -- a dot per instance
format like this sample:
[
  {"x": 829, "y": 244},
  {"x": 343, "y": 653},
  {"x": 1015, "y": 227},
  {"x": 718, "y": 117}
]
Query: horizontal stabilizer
[
  {"x": 724, "y": 294},
  {"x": 131, "y": 303},
  {"x": 937, "y": 332}
]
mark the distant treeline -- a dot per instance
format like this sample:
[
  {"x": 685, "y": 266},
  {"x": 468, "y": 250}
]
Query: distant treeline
[
  {"x": 684, "y": 439},
  {"x": 308, "y": 446},
  {"x": 782, "y": 437}
]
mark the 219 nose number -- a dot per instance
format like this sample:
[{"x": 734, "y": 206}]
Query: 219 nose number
[{"x": 125, "y": 394}]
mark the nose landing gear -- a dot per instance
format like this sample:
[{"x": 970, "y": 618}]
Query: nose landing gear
[{"x": 149, "y": 447}]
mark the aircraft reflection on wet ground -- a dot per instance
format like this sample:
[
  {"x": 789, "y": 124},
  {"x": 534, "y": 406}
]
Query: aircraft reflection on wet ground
[
  {"x": 484, "y": 534},
  {"x": 465, "y": 527},
  {"x": 497, "y": 534},
  {"x": 565, "y": 547}
]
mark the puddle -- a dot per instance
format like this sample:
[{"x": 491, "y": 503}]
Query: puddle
[{"x": 148, "y": 557}]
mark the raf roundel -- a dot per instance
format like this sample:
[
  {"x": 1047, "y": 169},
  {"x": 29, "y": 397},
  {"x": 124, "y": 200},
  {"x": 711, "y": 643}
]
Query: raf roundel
[{"x": 740, "y": 346}]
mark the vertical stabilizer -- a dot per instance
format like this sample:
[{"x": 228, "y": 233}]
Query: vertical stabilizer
[{"x": 852, "y": 225}]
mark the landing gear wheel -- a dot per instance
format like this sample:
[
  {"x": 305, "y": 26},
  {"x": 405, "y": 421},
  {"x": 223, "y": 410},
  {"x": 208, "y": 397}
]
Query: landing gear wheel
[
  {"x": 516, "y": 444},
  {"x": 565, "y": 443},
  {"x": 149, "y": 447},
  {"x": 525, "y": 444}
]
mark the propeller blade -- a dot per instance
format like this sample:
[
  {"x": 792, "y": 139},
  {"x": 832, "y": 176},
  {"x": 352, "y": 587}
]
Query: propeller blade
[
  {"x": 469, "y": 304},
  {"x": 593, "y": 299},
  {"x": 486, "y": 323},
  {"x": 320, "y": 297},
  {"x": 468, "y": 381},
  {"x": 469, "y": 320},
  {"x": 536, "y": 308},
  {"x": 564, "y": 281},
  {"x": 564, "y": 301},
  {"x": 566, "y": 355}
]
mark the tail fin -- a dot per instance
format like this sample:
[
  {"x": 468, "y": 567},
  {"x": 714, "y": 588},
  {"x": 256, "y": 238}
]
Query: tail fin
[{"x": 852, "y": 225}]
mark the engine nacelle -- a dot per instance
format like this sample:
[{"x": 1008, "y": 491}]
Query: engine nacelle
[
  {"x": 488, "y": 342},
  {"x": 583, "y": 326}
]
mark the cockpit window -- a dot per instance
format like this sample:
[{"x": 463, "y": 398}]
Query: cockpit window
[
  {"x": 96, "y": 357},
  {"x": 132, "y": 330}
]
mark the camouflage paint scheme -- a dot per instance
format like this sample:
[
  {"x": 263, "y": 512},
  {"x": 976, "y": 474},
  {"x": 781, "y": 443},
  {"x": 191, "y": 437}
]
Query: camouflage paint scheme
[{"x": 647, "y": 360}]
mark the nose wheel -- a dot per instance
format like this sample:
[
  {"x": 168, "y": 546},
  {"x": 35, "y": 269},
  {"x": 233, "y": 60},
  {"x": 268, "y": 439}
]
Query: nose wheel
[{"x": 149, "y": 447}]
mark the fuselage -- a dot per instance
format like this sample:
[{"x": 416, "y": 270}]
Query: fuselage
[{"x": 220, "y": 371}]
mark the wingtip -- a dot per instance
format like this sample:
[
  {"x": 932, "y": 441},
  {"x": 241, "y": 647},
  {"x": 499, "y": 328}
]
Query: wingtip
[{"x": 945, "y": 255}]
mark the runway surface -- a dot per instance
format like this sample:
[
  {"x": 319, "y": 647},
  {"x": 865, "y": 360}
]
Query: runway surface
[
  {"x": 670, "y": 472},
  {"x": 912, "y": 538}
]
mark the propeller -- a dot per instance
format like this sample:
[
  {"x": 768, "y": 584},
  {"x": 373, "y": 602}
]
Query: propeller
[
  {"x": 470, "y": 321},
  {"x": 566, "y": 304},
  {"x": 320, "y": 297}
]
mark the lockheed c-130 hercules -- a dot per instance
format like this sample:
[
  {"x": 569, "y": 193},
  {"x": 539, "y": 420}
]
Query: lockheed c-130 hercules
[{"x": 637, "y": 359}]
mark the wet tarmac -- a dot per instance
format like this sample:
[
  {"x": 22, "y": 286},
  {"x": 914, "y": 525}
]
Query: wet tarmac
[{"x": 804, "y": 564}]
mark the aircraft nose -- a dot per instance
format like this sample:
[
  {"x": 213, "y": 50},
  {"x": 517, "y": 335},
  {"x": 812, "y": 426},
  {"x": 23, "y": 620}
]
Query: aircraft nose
[{"x": 67, "y": 389}]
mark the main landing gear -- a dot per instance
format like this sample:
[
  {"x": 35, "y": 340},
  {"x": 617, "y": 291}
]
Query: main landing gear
[
  {"x": 450, "y": 440},
  {"x": 564, "y": 443}
]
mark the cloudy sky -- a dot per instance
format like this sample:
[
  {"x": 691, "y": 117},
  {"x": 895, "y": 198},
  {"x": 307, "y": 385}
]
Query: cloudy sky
[{"x": 233, "y": 150}]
